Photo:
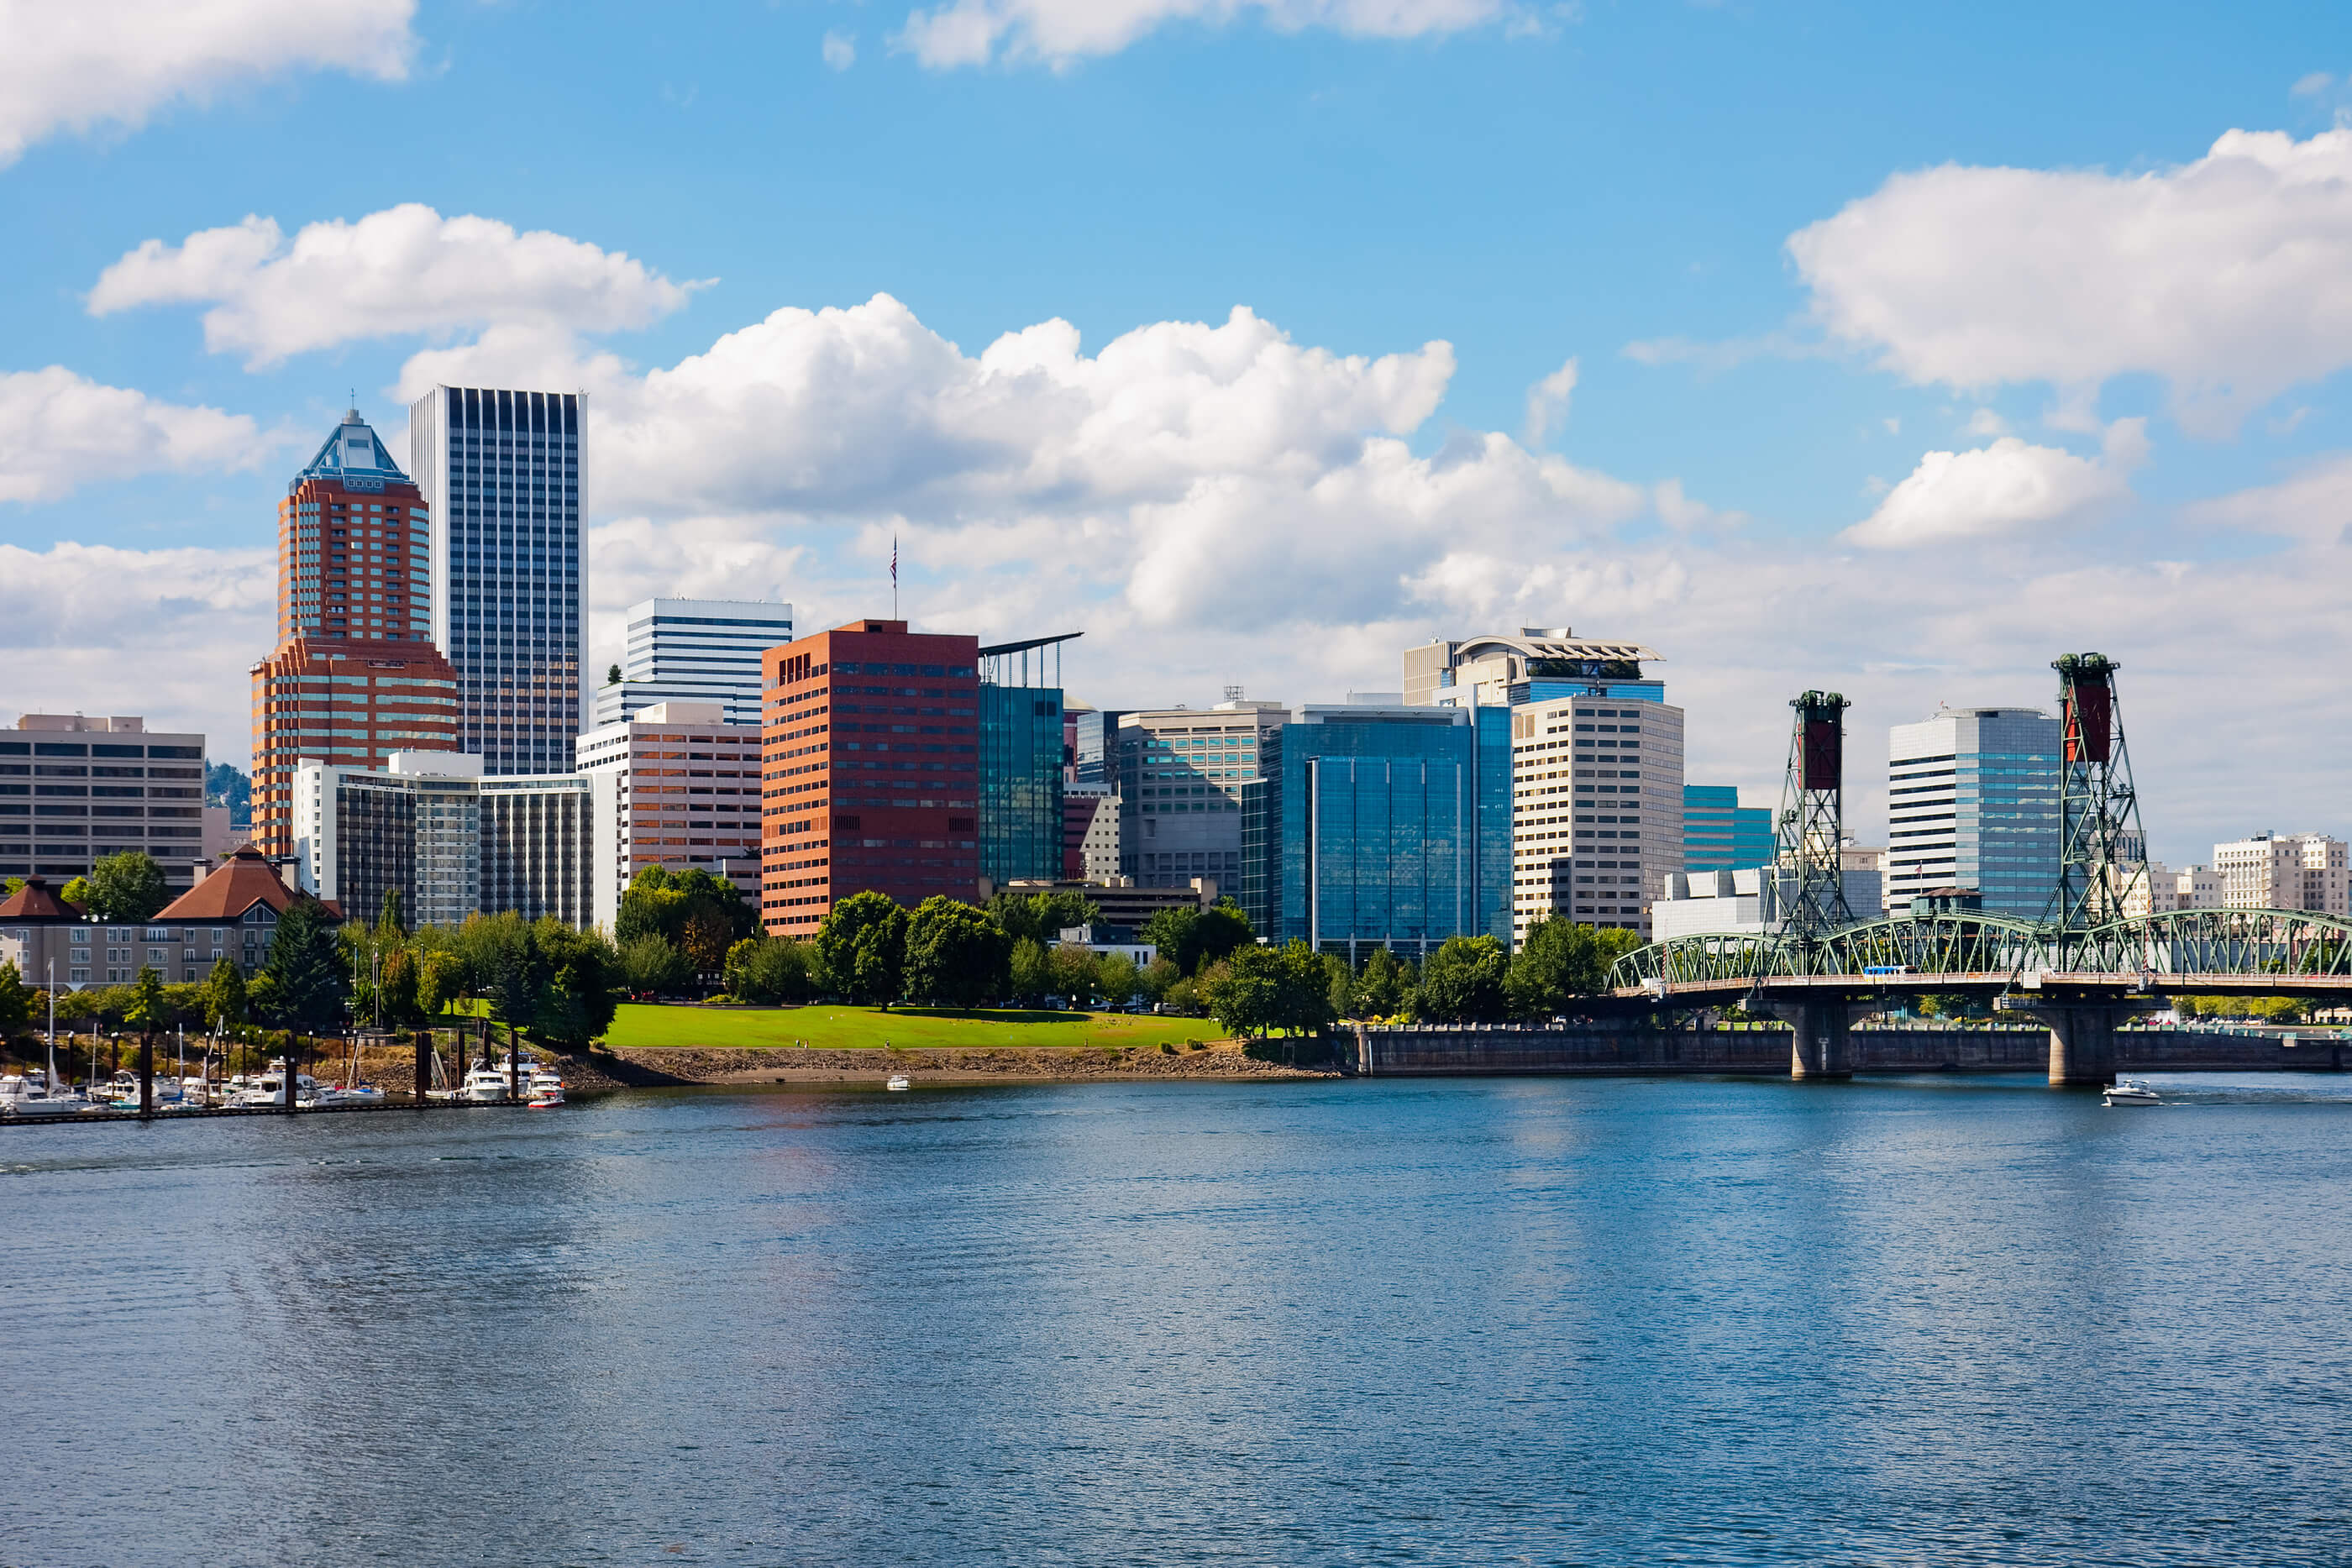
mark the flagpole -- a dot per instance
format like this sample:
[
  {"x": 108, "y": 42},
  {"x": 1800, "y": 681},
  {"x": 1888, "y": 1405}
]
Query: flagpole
[{"x": 894, "y": 577}]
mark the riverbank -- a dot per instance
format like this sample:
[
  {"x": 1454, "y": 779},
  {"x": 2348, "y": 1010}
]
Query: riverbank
[{"x": 1219, "y": 1059}]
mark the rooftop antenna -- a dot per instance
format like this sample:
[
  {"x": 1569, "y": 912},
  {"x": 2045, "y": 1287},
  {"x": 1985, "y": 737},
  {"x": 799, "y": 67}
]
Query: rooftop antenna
[{"x": 1233, "y": 694}]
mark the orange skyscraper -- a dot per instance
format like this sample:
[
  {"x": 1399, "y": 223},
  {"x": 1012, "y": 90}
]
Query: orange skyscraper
[{"x": 355, "y": 676}]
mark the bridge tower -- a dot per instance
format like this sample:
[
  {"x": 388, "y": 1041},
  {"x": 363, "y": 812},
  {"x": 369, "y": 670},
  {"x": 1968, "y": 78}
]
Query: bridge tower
[
  {"x": 2102, "y": 857},
  {"x": 1808, "y": 858},
  {"x": 2102, "y": 850},
  {"x": 1810, "y": 883}
]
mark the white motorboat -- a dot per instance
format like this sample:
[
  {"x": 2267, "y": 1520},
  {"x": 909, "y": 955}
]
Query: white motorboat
[
  {"x": 28, "y": 1098},
  {"x": 485, "y": 1086},
  {"x": 2130, "y": 1091},
  {"x": 898, "y": 1080},
  {"x": 266, "y": 1091}
]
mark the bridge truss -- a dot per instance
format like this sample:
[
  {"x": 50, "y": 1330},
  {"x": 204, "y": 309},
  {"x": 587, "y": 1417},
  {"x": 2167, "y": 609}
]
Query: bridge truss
[{"x": 2192, "y": 947}]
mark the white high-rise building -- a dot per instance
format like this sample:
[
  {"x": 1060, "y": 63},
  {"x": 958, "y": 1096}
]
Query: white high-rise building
[
  {"x": 2291, "y": 871},
  {"x": 2157, "y": 889},
  {"x": 1973, "y": 801},
  {"x": 1596, "y": 810},
  {"x": 501, "y": 473},
  {"x": 676, "y": 785},
  {"x": 694, "y": 651}
]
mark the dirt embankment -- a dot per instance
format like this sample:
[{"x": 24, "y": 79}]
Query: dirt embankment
[{"x": 785, "y": 1064}]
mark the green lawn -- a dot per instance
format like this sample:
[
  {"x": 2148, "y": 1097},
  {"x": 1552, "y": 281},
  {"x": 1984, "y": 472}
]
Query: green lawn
[{"x": 640, "y": 1026}]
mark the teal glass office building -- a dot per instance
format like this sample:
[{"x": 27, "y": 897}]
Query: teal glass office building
[
  {"x": 1380, "y": 827},
  {"x": 1721, "y": 834},
  {"x": 1020, "y": 783}
]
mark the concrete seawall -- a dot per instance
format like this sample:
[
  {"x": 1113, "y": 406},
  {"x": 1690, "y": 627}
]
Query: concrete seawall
[{"x": 1433, "y": 1051}]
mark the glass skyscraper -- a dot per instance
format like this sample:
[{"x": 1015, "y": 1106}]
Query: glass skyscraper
[
  {"x": 1020, "y": 783},
  {"x": 1380, "y": 827},
  {"x": 501, "y": 473},
  {"x": 1721, "y": 834},
  {"x": 1973, "y": 801}
]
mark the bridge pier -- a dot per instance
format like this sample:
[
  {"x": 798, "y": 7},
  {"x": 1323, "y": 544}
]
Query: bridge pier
[
  {"x": 1821, "y": 1045},
  {"x": 2083, "y": 1048}
]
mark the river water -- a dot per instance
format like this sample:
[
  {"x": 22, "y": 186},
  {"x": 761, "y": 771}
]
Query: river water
[{"x": 1526, "y": 1321}]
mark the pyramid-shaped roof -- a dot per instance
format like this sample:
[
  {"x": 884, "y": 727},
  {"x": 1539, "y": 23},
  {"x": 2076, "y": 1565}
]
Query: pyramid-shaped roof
[
  {"x": 353, "y": 456},
  {"x": 245, "y": 879}
]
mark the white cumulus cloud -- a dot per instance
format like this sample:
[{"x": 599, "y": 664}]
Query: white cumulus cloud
[
  {"x": 1548, "y": 402},
  {"x": 2002, "y": 489},
  {"x": 1059, "y": 32},
  {"x": 405, "y": 270},
  {"x": 67, "y": 67},
  {"x": 59, "y": 430},
  {"x": 840, "y": 49},
  {"x": 2229, "y": 277}
]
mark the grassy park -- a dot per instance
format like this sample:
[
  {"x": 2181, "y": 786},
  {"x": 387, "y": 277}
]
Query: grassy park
[{"x": 639, "y": 1026}]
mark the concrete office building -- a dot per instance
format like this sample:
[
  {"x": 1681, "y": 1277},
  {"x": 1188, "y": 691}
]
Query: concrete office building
[
  {"x": 1540, "y": 665},
  {"x": 1380, "y": 827},
  {"x": 1597, "y": 800},
  {"x": 1090, "y": 816},
  {"x": 1973, "y": 801},
  {"x": 676, "y": 785},
  {"x": 2284, "y": 871},
  {"x": 1180, "y": 772},
  {"x": 355, "y": 676},
  {"x": 451, "y": 842},
  {"x": 694, "y": 651},
  {"x": 871, "y": 777},
  {"x": 2157, "y": 889},
  {"x": 499, "y": 471},
  {"x": 74, "y": 788},
  {"x": 1746, "y": 900},
  {"x": 1094, "y": 746},
  {"x": 1721, "y": 834}
]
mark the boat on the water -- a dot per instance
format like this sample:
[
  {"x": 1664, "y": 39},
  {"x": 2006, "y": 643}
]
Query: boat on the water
[
  {"x": 898, "y": 1080},
  {"x": 27, "y": 1098},
  {"x": 2130, "y": 1091},
  {"x": 485, "y": 1086}
]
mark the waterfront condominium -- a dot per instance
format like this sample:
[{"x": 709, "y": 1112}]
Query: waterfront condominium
[
  {"x": 1380, "y": 827},
  {"x": 1179, "y": 777},
  {"x": 1972, "y": 802},
  {"x": 499, "y": 471},
  {"x": 355, "y": 676},
  {"x": 694, "y": 651},
  {"x": 1597, "y": 803},
  {"x": 872, "y": 773}
]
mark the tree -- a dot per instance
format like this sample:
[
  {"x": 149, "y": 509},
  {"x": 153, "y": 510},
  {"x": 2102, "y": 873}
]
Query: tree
[
  {"x": 705, "y": 939},
  {"x": 1117, "y": 977},
  {"x": 127, "y": 887},
  {"x": 770, "y": 969},
  {"x": 1195, "y": 936},
  {"x": 576, "y": 1001},
  {"x": 77, "y": 892},
  {"x": 397, "y": 991},
  {"x": 1261, "y": 988},
  {"x": 224, "y": 997},
  {"x": 664, "y": 902},
  {"x": 148, "y": 1009},
  {"x": 1033, "y": 972},
  {"x": 391, "y": 921},
  {"x": 305, "y": 971},
  {"x": 611, "y": 675},
  {"x": 863, "y": 944},
  {"x": 262, "y": 998},
  {"x": 439, "y": 977},
  {"x": 650, "y": 965},
  {"x": 1464, "y": 981},
  {"x": 1042, "y": 917},
  {"x": 1380, "y": 988},
  {"x": 16, "y": 1001},
  {"x": 1561, "y": 960},
  {"x": 956, "y": 956},
  {"x": 1157, "y": 977}
]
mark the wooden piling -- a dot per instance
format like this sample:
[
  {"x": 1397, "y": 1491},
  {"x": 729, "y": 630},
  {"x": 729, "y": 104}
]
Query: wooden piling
[
  {"x": 146, "y": 1074},
  {"x": 514, "y": 1066},
  {"x": 424, "y": 1043}
]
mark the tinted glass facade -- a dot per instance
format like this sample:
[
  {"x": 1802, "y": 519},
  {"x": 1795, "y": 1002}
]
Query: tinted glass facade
[
  {"x": 1721, "y": 834},
  {"x": 1973, "y": 801},
  {"x": 1021, "y": 828},
  {"x": 1380, "y": 828}
]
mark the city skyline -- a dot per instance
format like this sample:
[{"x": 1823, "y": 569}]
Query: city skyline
[{"x": 1675, "y": 379}]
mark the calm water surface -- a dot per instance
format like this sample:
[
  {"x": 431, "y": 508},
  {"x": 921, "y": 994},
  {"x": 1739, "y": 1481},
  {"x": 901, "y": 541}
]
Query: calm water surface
[{"x": 1531, "y": 1321}]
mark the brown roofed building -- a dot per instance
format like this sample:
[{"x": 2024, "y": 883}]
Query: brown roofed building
[
  {"x": 355, "y": 676},
  {"x": 232, "y": 914}
]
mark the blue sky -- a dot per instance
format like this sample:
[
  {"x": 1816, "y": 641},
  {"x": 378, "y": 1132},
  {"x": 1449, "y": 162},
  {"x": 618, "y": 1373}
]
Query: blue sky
[{"x": 2130, "y": 349}]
